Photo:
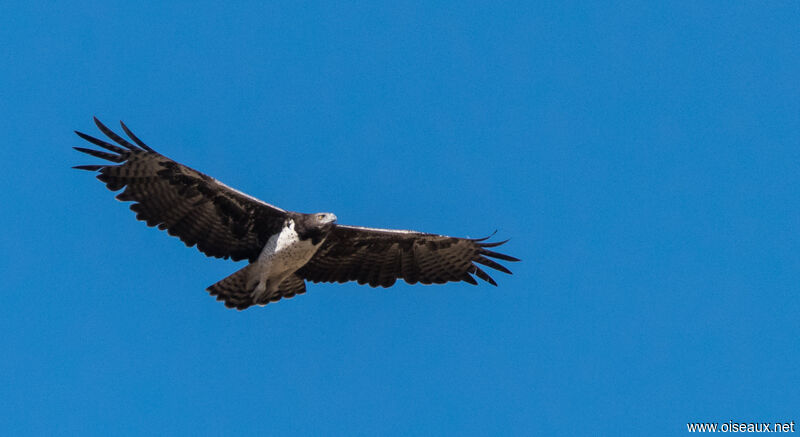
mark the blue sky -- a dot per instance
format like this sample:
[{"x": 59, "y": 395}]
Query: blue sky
[{"x": 642, "y": 157}]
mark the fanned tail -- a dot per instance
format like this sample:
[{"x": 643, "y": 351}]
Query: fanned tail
[
  {"x": 233, "y": 290},
  {"x": 237, "y": 289}
]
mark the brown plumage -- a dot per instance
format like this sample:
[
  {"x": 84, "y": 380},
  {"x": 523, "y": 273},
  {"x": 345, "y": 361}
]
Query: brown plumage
[{"x": 223, "y": 222}]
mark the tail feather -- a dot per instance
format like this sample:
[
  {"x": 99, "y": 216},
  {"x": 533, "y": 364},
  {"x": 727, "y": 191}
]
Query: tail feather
[
  {"x": 233, "y": 290},
  {"x": 236, "y": 293},
  {"x": 291, "y": 286}
]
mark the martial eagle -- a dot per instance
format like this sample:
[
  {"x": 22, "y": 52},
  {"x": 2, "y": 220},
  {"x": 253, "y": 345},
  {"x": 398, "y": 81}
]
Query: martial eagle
[{"x": 283, "y": 248}]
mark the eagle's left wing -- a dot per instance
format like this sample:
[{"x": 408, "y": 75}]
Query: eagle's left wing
[
  {"x": 195, "y": 207},
  {"x": 379, "y": 257}
]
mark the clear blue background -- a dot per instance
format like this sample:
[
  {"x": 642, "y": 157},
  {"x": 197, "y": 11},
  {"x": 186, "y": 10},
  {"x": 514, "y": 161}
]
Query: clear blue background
[{"x": 643, "y": 158}]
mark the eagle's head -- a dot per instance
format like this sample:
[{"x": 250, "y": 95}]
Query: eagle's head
[
  {"x": 315, "y": 226},
  {"x": 324, "y": 219}
]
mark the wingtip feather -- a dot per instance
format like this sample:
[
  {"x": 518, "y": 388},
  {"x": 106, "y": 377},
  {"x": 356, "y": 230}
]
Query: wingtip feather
[
  {"x": 111, "y": 134},
  {"x": 489, "y": 263},
  {"x": 98, "y": 154},
  {"x": 497, "y": 255},
  {"x": 483, "y": 275},
  {"x": 477, "y": 240},
  {"x": 469, "y": 279},
  {"x": 135, "y": 138},
  {"x": 495, "y": 244}
]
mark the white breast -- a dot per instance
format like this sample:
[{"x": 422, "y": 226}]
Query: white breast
[{"x": 285, "y": 252}]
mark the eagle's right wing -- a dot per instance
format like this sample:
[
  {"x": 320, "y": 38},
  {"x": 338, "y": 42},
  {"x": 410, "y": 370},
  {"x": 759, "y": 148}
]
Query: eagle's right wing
[
  {"x": 197, "y": 208},
  {"x": 379, "y": 257}
]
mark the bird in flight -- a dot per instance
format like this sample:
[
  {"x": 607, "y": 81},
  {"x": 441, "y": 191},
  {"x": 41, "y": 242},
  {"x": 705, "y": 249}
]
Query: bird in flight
[{"x": 283, "y": 248}]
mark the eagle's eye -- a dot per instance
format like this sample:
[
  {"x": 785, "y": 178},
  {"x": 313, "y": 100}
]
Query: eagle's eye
[{"x": 320, "y": 216}]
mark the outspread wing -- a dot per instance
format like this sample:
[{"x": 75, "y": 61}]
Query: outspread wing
[
  {"x": 200, "y": 210},
  {"x": 379, "y": 257}
]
